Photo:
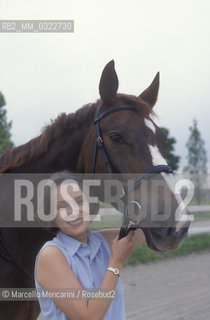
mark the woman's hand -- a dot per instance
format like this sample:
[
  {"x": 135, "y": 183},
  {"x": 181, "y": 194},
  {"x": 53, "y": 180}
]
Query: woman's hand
[{"x": 121, "y": 250}]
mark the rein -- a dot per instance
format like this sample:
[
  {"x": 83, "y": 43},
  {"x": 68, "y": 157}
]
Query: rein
[{"x": 99, "y": 145}]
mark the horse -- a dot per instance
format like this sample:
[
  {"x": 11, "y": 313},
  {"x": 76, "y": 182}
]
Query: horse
[{"x": 130, "y": 141}]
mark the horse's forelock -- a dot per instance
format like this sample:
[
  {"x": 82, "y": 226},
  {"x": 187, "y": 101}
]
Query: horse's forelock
[{"x": 142, "y": 107}]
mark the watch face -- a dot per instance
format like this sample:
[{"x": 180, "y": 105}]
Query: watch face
[{"x": 116, "y": 271}]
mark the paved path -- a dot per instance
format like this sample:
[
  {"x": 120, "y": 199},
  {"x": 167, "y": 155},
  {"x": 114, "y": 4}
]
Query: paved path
[{"x": 175, "y": 289}]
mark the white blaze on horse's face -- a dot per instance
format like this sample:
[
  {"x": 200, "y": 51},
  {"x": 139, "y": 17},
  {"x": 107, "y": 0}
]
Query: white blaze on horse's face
[
  {"x": 157, "y": 159},
  {"x": 150, "y": 125}
]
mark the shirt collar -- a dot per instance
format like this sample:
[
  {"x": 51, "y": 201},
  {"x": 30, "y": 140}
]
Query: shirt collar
[{"x": 72, "y": 245}]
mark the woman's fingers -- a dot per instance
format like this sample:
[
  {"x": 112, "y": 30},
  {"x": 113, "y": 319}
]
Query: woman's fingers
[{"x": 130, "y": 234}]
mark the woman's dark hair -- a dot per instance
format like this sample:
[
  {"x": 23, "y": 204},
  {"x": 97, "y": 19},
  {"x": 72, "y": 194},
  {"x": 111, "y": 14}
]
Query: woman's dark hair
[{"x": 58, "y": 178}]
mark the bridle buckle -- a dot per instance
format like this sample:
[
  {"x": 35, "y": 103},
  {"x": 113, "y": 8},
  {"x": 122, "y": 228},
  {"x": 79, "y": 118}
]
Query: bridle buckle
[{"x": 99, "y": 142}]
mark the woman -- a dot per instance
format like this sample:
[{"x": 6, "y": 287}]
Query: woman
[{"x": 80, "y": 259}]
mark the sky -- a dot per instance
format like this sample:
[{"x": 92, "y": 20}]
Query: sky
[{"x": 42, "y": 74}]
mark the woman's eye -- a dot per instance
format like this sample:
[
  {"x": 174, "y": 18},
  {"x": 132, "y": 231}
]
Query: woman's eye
[
  {"x": 116, "y": 138},
  {"x": 61, "y": 207}
]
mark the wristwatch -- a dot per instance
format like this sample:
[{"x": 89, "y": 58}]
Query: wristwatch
[{"x": 114, "y": 270}]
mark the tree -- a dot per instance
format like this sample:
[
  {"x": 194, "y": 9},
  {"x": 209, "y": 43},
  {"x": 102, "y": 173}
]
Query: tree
[
  {"x": 197, "y": 159},
  {"x": 5, "y": 126},
  {"x": 168, "y": 152}
]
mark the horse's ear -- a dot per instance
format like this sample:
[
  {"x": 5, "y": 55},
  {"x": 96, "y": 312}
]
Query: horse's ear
[
  {"x": 108, "y": 84},
  {"x": 151, "y": 93}
]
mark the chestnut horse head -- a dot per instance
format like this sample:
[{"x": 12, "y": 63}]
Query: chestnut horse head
[{"x": 131, "y": 144}]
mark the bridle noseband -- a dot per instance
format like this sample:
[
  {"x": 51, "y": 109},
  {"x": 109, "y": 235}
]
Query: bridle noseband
[{"x": 99, "y": 145}]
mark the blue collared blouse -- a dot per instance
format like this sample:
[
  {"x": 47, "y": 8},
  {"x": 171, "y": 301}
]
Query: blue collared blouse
[{"x": 88, "y": 262}]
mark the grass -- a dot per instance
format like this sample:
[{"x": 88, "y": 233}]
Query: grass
[
  {"x": 107, "y": 222},
  {"x": 195, "y": 203},
  {"x": 105, "y": 205},
  {"x": 201, "y": 215},
  {"x": 192, "y": 244}
]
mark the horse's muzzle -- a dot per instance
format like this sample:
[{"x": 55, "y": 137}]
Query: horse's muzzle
[{"x": 166, "y": 238}]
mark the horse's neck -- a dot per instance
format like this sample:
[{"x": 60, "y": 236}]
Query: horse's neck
[
  {"x": 63, "y": 153},
  {"x": 20, "y": 241}
]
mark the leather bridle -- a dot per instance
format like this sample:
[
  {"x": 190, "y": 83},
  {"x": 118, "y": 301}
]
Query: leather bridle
[{"x": 99, "y": 145}]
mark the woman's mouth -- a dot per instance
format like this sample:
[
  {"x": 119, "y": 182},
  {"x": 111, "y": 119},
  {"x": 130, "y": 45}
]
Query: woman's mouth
[{"x": 76, "y": 222}]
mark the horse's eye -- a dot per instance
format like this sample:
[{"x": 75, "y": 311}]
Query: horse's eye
[{"x": 116, "y": 138}]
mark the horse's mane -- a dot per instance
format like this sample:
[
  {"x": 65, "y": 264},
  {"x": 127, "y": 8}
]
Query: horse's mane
[
  {"x": 16, "y": 157},
  {"x": 38, "y": 146}
]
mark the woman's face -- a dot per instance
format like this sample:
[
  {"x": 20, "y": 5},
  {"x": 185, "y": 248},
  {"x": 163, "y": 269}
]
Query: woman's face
[{"x": 73, "y": 209}]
